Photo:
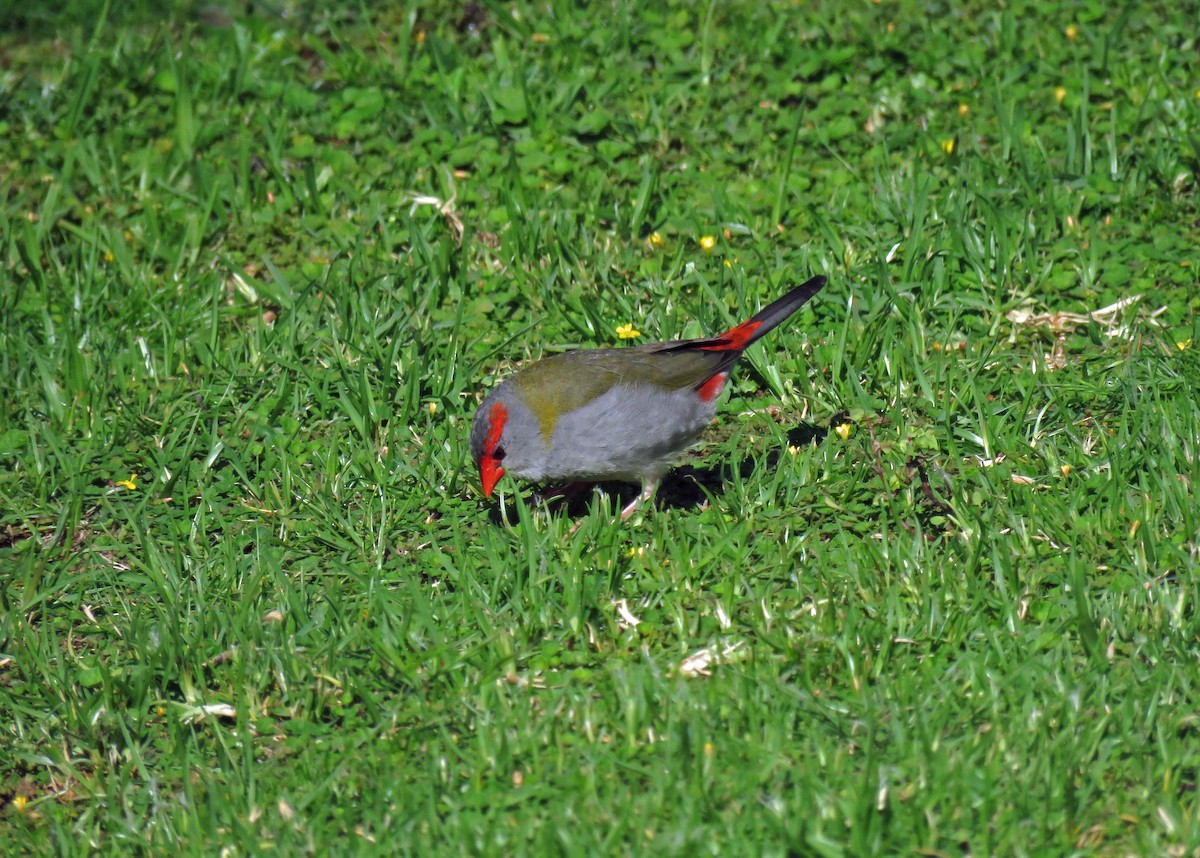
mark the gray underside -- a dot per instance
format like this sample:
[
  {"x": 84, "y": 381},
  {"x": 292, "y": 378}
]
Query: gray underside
[{"x": 631, "y": 433}]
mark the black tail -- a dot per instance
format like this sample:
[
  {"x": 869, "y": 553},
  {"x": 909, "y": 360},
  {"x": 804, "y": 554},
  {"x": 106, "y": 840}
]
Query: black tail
[{"x": 772, "y": 315}]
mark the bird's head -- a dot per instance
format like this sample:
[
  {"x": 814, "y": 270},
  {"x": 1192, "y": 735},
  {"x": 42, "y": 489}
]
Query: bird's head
[{"x": 487, "y": 444}]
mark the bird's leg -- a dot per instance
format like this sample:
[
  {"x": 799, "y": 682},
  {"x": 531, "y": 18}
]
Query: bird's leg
[
  {"x": 563, "y": 494},
  {"x": 649, "y": 487}
]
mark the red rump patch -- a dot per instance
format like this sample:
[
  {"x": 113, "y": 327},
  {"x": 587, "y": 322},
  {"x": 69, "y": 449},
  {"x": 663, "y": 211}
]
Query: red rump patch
[
  {"x": 711, "y": 388},
  {"x": 735, "y": 339}
]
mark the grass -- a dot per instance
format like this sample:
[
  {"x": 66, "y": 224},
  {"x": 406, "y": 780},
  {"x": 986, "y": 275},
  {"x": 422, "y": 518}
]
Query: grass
[{"x": 261, "y": 262}]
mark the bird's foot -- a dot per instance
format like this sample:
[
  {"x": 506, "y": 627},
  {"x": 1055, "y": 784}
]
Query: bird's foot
[
  {"x": 648, "y": 490},
  {"x": 563, "y": 495},
  {"x": 647, "y": 494}
]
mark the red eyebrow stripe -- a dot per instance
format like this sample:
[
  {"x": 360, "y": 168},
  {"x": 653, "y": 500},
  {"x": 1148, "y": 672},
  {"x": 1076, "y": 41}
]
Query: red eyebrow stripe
[{"x": 496, "y": 420}]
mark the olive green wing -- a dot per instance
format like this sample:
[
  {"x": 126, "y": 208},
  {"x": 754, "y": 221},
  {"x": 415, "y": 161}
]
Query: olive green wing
[{"x": 562, "y": 383}]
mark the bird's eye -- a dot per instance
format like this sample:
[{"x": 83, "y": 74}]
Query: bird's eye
[{"x": 499, "y": 453}]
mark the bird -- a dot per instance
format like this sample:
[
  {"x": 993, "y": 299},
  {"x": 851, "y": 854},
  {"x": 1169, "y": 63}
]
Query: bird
[{"x": 613, "y": 415}]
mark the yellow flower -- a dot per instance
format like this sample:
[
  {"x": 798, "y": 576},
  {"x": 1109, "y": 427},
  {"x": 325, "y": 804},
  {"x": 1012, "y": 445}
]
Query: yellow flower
[
  {"x": 963, "y": 110},
  {"x": 627, "y": 332},
  {"x": 948, "y": 146},
  {"x": 1066, "y": 470},
  {"x": 432, "y": 406},
  {"x": 1060, "y": 92},
  {"x": 843, "y": 430},
  {"x": 19, "y": 803},
  {"x": 656, "y": 239},
  {"x": 130, "y": 483},
  {"x": 707, "y": 243},
  {"x": 1071, "y": 32},
  {"x": 1184, "y": 345}
]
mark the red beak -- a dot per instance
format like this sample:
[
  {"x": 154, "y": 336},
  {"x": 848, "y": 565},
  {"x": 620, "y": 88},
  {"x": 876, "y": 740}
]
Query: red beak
[{"x": 490, "y": 473}]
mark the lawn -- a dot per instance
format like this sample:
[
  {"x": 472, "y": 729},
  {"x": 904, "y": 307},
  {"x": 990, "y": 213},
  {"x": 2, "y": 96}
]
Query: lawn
[{"x": 928, "y": 586}]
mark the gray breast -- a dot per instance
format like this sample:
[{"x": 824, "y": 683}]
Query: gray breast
[{"x": 630, "y": 433}]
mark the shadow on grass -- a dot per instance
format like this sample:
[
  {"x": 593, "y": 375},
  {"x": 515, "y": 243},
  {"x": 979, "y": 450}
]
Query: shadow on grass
[{"x": 685, "y": 487}]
